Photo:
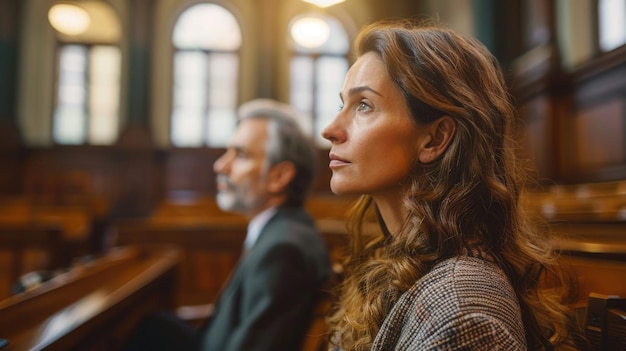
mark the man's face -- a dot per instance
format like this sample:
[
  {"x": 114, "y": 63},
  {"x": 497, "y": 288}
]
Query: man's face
[{"x": 242, "y": 170}]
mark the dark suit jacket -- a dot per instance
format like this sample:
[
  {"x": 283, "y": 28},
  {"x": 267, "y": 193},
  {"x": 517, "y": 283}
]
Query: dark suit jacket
[{"x": 268, "y": 303}]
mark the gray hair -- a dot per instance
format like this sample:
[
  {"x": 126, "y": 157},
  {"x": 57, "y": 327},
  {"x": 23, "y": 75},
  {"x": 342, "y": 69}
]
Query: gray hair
[{"x": 286, "y": 142}]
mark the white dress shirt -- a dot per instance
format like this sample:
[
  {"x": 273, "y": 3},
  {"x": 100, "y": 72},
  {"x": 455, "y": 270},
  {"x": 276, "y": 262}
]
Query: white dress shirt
[{"x": 256, "y": 225}]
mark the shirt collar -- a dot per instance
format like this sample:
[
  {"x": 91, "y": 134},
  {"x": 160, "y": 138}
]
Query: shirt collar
[{"x": 256, "y": 225}]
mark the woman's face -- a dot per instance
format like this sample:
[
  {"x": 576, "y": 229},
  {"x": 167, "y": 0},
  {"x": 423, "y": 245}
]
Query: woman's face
[{"x": 375, "y": 144}]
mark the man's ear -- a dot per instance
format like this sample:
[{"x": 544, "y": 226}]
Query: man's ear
[
  {"x": 280, "y": 175},
  {"x": 440, "y": 134}
]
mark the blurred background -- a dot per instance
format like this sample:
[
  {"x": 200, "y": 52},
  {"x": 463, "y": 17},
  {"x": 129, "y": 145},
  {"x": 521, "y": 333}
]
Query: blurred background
[{"x": 114, "y": 110}]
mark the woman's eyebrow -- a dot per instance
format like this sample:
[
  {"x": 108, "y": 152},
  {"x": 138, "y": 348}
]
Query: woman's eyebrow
[{"x": 356, "y": 90}]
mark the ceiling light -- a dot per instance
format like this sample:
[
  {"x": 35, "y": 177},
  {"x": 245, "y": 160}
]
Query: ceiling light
[
  {"x": 69, "y": 19},
  {"x": 323, "y": 3},
  {"x": 310, "y": 32}
]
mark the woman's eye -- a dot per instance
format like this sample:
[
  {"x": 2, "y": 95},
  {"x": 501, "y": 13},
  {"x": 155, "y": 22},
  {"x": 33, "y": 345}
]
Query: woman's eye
[
  {"x": 340, "y": 107},
  {"x": 363, "y": 107}
]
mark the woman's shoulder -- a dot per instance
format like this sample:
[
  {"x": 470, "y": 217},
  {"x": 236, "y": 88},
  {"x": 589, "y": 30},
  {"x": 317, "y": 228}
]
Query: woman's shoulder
[
  {"x": 463, "y": 295},
  {"x": 465, "y": 280},
  {"x": 460, "y": 286}
]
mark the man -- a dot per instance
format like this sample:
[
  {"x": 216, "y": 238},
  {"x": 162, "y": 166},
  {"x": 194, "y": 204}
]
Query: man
[{"x": 265, "y": 174}]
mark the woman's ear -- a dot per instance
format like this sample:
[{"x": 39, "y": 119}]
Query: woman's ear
[
  {"x": 280, "y": 175},
  {"x": 440, "y": 133}
]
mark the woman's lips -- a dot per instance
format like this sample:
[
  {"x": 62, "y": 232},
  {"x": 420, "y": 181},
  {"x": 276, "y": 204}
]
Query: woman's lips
[{"x": 336, "y": 161}]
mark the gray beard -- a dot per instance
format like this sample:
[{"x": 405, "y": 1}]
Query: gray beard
[{"x": 230, "y": 202}]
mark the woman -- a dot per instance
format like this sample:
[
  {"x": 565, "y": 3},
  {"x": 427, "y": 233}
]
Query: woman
[{"x": 425, "y": 132}]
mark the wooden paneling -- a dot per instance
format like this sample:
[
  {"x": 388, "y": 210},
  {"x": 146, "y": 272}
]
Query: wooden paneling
[
  {"x": 573, "y": 119},
  {"x": 599, "y": 138},
  {"x": 538, "y": 134},
  {"x": 190, "y": 170}
]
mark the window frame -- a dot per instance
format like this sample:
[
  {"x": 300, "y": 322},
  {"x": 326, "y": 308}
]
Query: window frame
[
  {"x": 89, "y": 46},
  {"x": 208, "y": 52},
  {"x": 315, "y": 56}
]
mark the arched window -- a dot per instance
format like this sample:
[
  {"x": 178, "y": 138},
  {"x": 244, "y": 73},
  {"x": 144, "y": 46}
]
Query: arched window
[
  {"x": 319, "y": 63},
  {"x": 206, "y": 39},
  {"x": 88, "y": 72}
]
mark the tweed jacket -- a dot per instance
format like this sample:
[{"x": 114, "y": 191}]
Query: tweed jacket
[{"x": 463, "y": 303}]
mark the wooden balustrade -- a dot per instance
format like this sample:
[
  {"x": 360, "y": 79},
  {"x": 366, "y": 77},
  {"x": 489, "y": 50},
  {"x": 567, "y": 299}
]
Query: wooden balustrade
[
  {"x": 95, "y": 306},
  {"x": 30, "y": 248}
]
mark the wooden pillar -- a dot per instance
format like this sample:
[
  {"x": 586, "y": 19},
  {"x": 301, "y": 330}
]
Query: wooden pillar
[
  {"x": 140, "y": 38},
  {"x": 9, "y": 13},
  {"x": 10, "y": 141},
  {"x": 537, "y": 73},
  {"x": 268, "y": 34},
  {"x": 136, "y": 158}
]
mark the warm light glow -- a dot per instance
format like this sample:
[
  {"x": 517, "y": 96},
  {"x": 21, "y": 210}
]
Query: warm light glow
[
  {"x": 323, "y": 3},
  {"x": 310, "y": 32},
  {"x": 69, "y": 19}
]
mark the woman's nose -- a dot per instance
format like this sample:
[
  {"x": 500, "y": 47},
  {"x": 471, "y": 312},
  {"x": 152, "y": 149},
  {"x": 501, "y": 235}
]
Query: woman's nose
[{"x": 334, "y": 132}]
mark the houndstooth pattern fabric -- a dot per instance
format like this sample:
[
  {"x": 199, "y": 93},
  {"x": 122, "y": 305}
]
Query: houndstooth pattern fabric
[{"x": 463, "y": 303}]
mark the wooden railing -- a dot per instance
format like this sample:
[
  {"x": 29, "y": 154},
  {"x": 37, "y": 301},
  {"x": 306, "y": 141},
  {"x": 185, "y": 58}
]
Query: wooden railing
[
  {"x": 91, "y": 307},
  {"x": 588, "y": 225},
  {"x": 29, "y": 248}
]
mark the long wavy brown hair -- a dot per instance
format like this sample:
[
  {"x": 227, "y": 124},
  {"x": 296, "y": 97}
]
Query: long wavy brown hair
[{"x": 471, "y": 194}]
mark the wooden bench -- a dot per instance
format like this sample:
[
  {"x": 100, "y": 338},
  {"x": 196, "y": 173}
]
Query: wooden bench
[
  {"x": 91, "y": 307},
  {"x": 209, "y": 252},
  {"x": 29, "y": 248},
  {"x": 595, "y": 252},
  {"x": 211, "y": 241},
  {"x": 75, "y": 222}
]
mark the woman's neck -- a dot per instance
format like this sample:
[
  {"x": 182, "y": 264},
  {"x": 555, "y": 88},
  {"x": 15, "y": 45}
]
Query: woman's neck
[{"x": 392, "y": 212}]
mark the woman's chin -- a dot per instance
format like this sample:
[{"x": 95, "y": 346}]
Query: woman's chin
[{"x": 342, "y": 189}]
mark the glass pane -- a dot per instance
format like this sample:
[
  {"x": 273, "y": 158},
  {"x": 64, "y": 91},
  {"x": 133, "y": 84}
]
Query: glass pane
[
  {"x": 301, "y": 84},
  {"x": 190, "y": 79},
  {"x": 187, "y": 127},
  {"x": 104, "y": 94},
  {"x": 612, "y": 24},
  {"x": 221, "y": 115},
  {"x": 329, "y": 80},
  {"x": 223, "y": 80},
  {"x": 190, "y": 97},
  {"x": 220, "y": 126},
  {"x": 69, "y": 117},
  {"x": 69, "y": 124},
  {"x": 207, "y": 26}
]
